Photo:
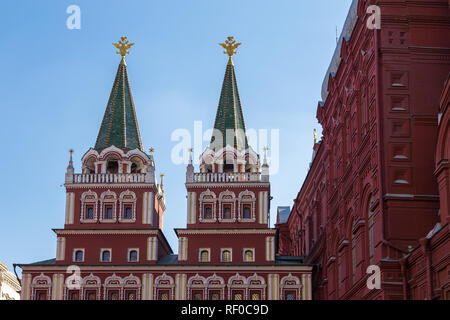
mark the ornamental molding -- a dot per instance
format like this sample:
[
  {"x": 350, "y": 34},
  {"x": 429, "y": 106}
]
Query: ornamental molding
[
  {"x": 98, "y": 231},
  {"x": 185, "y": 268},
  {"x": 151, "y": 186},
  {"x": 226, "y": 231},
  {"x": 228, "y": 184}
]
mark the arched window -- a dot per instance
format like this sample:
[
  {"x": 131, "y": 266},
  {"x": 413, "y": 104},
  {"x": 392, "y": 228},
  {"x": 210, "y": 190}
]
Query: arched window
[
  {"x": 204, "y": 256},
  {"x": 226, "y": 256},
  {"x": 133, "y": 256},
  {"x": 248, "y": 256},
  {"x": 106, "y": 256},
  {"x": 79, "y": 255},
  {"x": 112, "y": 166}
]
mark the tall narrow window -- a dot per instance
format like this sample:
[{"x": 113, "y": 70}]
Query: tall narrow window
[
  {"x": 128, "y": 212},
  {"x": 108, "y": 212},
  {"x": 90, "y": 212},
  {"x": 204, "y": 256},
  {"x": 226, "y": 256},
  {"x": 133, "y": 256},
  {"x": 208, "y": 212},
  {"x": 248, "y": 256},
  {"x": 79, "y": 255},
  {"x": 227, "y": 212},
  {"x": 247, "y": 212},
  {"x": 106, "y": 256}
]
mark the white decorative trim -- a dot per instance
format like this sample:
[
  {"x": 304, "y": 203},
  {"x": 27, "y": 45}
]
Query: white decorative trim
[
  {"x": 196, "y": 282},
  {"x": 273, "y": 290},
  {"x": 164, "y": 282},
  {"x": 207, "y": 197},
  {"x": 247, "y": 197},
  {"x": 132, "y": 282},
  {"x": 101, "y": 254},
  {"x": 270, "y": 248},
  {"x": 106, "y": 231},
  {"x": 147, "y": 286},
  {"x": 147, "y": 207},
  {"x": 70, "y": 207},
  {"x": 200, "y": 250},
  {"x": 182, "y": 248},
  {"x": 226, "y": 231},
  {"x": 90, "y": 282},
  {"x": 108, "y": 198},
  {"x": 290, "y": 282},
  {"x": 215, "y": 282},
  {"x": 237, "y": 282},
  {"x": 74, "y": 251},
  {"x": 221, "y": 254},
  {"x": 113, "y": 282},
  {"x": 88, "y": 198},
  {"x": 127, "y": 197},
  {"x": 128, "y": 254},
  {"x": 227, "y": 197},
  {"x": 191, "y": 207},
  {"x": 152, "y": 249},
  {"x": 60, "y": 248},
  {"x": 263, "y": 207},
  {"x": 253, "y": 254},
  {"x": 41, "y": 282},
  {"x": 256, "y": 282}
]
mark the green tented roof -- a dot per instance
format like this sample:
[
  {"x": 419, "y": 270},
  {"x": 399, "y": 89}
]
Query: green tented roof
[
  {"x": 119, "y": 126},
  {"x": 229, "y": 114}
]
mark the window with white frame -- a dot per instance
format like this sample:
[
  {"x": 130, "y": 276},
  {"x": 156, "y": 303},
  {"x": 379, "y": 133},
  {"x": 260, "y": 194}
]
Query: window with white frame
[
  {"x": 247, "y": 202},
  {"x": 127, "y": 206},
  {"x": 226, "y": 255},
  {"x": 105, "y": 255},
  {"x": 78, "y": 255},
  {"x": 89, "y": 201},
  {"x": 248, "y": 255},
  {"x": 204, "y": 255},
  {"x": 207, "y": 206},
  {"x": 133, "y": 255},
  {"x": 227, "y": 208},
  {"x": 108, "y": 201}
]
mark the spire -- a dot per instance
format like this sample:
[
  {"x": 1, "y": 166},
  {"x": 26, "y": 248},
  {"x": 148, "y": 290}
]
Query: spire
[
  {"x": 229, "y": 117},
  {"x": 119, "y": 126}
]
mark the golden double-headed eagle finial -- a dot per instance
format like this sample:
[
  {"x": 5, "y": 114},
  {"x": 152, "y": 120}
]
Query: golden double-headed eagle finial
[
  {"x": 230, "y": 46},
  {"x": 123, "y": 45}
]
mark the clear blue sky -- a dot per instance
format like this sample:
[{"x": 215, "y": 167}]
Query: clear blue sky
[{"x": 55, "y": 84}]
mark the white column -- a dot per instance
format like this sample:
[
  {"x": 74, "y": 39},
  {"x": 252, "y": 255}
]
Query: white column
[{"x": 147, "y": 286}]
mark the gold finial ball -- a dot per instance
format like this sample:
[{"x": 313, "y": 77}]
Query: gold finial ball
[
  {"x": 152, "y": 150},
  {"x": 71, "y": 150}
]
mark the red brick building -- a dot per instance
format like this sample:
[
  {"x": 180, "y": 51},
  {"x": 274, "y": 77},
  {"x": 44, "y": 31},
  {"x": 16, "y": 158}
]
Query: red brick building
[
  {"x": 115, "y": 210},
  {"x": 377, "y": 192}
]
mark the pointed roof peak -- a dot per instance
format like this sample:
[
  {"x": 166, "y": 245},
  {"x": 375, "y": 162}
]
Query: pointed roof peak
[
  {"x": 119, "y": 125},
  {"x": 229, "y": 116}
]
